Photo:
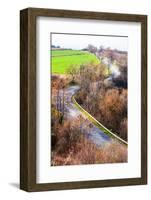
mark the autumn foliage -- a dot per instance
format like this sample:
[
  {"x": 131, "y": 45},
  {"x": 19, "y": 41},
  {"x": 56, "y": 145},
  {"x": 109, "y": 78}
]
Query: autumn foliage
[
  {"x": 101, "y": 94},
  {"x": 72, "y": 147},
  {"x": 108, "y": 104}
]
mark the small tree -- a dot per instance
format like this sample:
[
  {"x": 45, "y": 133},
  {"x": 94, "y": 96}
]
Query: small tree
[
  {"x": 101, "y": 48},
  {"x": 72, "y": 70},
  {"x": 92, "y": 49}
]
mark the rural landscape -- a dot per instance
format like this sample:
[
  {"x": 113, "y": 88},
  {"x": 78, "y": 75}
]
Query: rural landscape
[{"x": 88, "y": 99}]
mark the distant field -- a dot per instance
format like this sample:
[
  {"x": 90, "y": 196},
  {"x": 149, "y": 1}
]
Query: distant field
[
  {"x": 62, "y": 59},
  {"x": 66, "y": 52}
]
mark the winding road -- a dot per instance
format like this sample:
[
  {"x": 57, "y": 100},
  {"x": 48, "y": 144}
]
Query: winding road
[{"x": 92, "y": 132}]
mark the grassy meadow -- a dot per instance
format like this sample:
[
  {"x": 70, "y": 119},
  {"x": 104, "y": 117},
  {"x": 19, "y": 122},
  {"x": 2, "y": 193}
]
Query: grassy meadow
[{"x": 63, "y": 59}]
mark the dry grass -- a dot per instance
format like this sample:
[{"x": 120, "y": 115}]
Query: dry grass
[{"x": 73, "y": 148}]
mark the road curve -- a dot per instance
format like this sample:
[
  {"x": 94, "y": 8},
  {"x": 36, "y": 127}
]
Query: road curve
[{"x": 93, "y": 133}]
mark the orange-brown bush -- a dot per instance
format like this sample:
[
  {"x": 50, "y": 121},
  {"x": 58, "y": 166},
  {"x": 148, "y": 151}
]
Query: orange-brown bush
[
  {"x": 123, "y": 128},
  {"x": 59, "y": 81},
  {"x": 113, "y": 109},
  {"x": 109, "y": 106},
  {"x": 67, "y": 136},
  {"x": 89, "y": 153},
  {"x": 73, "y": 148}
]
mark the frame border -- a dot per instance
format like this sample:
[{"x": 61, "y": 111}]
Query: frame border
[{"x": 28, "y": 99}]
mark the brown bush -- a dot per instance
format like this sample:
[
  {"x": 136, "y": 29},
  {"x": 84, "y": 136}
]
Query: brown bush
[
  {"x": 67, "y": 137},
  {"x": 109, "y": 106},
  {"x": 113, "y": 111},
  {"x": 123, "y": 129},
  {"x": 73, "y": 148},
  {"x": 81, "y": 96},
  {"x": 59, "y": 81},
  {"x": 89, "y": 153}
]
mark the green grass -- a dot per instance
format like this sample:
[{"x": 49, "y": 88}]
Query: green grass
[
  {"x": 66, "y": 52},
  {"x": 63, "y": 59}
]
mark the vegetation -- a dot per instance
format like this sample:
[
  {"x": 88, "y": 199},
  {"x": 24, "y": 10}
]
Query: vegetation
[
  {"x": 102, "y": 93},
  {"x": 72, "y": 147},
  {"x": 100, "y": 126},
  {"x": 62, "y": 60},
  {"x": 55, "y": 53},
  {"x": 108, "y": 104}
]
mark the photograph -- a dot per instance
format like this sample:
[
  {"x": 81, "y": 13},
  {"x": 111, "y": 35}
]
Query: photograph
[{"x": 89, "y": 92}]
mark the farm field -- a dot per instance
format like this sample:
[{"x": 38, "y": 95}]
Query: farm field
[
  {"x": 66, "y": 52},
  {"x": 63, "y": 59}
]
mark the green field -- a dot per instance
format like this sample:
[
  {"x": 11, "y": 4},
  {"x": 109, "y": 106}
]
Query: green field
[
  {"x": 66, "y": 52},
  {"x": 61, "y": 60}
]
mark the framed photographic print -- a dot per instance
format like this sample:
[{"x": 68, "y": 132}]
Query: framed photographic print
[{"x": 83, "y": 99}]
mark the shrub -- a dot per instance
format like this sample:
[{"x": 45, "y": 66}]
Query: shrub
[
  {"x": 89, "y": 153},
  {"x": 113, "y": 111}
]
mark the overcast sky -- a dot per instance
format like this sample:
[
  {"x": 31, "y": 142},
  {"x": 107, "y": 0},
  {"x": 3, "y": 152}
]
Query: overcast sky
[{"x": 81, "y": 41}]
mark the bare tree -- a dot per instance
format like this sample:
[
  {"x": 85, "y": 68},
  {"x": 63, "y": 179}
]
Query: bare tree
[
  {"x": 101, "y": 48},
  {"x": 72, "y": 70},
  {"x": 92, "y": 49}
]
